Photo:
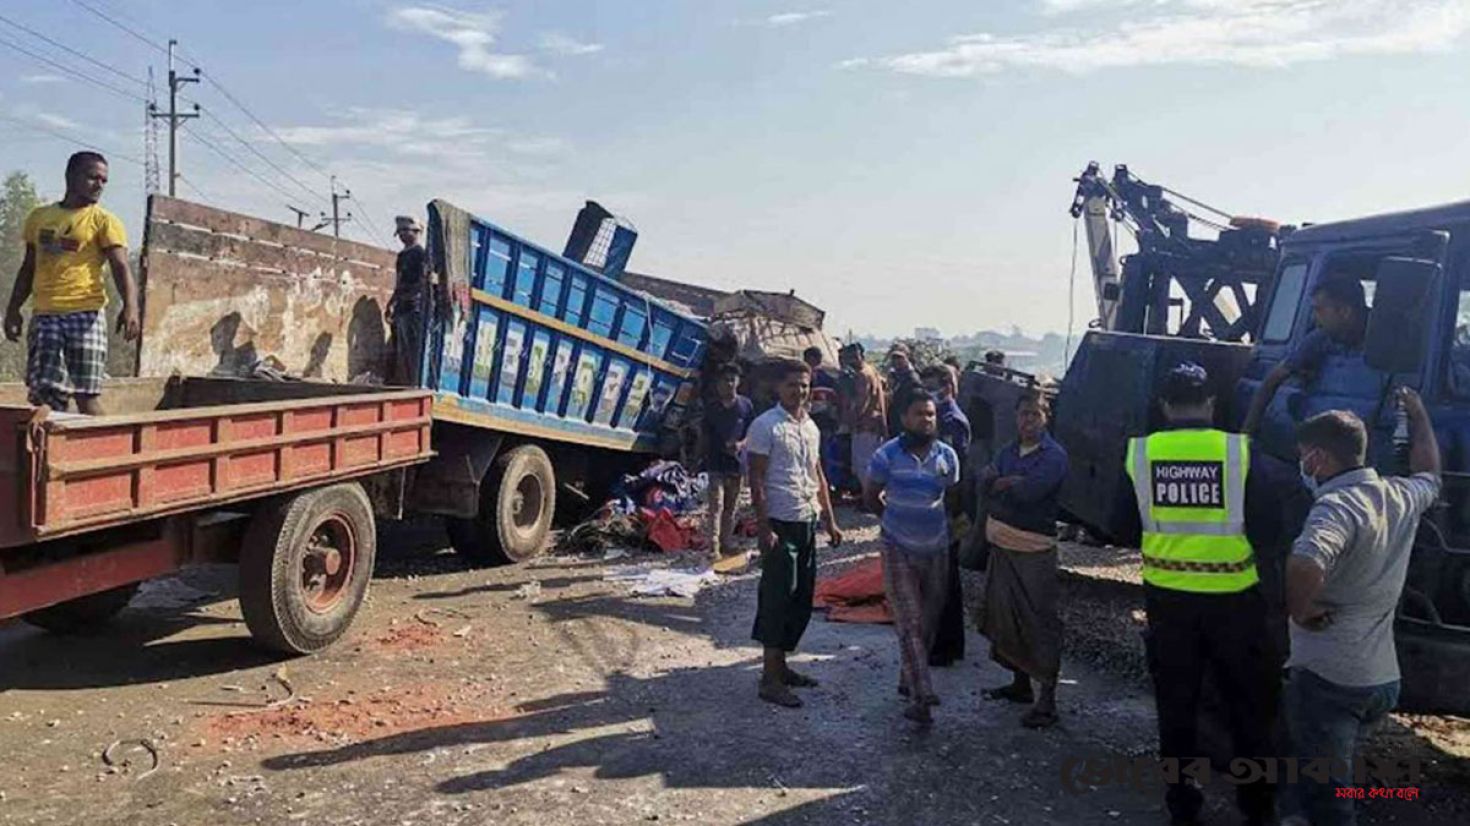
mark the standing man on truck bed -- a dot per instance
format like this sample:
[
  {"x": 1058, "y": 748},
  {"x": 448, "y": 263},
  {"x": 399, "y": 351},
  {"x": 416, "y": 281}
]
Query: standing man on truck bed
[
  {"x": 66, "y": 245},
  {"x": 1343, "y": 581},
  {"x": 1202, "y": 593},
  {"x": 1340, "y": 311},
  {"x": 410, "y": 299}
]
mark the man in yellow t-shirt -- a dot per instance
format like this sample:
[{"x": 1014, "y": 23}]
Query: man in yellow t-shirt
[{"x": 66, "y": 245}]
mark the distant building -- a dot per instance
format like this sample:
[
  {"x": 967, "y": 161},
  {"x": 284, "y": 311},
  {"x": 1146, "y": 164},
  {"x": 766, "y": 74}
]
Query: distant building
[{"x": 927, "y": 334}]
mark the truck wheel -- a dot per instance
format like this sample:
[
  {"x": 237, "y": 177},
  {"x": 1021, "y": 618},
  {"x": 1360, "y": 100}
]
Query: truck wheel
[
  {"x": 517, "y": 501},
  {"x": 305, "y": 565},
  {"x": 83, "y": 613}
]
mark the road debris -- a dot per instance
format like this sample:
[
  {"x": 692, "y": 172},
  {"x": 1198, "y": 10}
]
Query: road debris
[
  {"x": 648, "y": 581},
  {"x": 422, "y": 615},
  {"x": 126, "y": 764}
]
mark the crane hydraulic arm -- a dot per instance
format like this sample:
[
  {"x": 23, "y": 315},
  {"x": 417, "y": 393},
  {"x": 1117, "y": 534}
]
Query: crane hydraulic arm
[{"x": 1210, "y": 285}]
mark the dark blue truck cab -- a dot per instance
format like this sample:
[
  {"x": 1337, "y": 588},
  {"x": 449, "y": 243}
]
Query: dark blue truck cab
[{"x": 1415, "y": 269}]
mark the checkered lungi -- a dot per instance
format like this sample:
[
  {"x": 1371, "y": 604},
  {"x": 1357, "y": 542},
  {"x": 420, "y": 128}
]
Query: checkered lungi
[
  {"x": 66, "y": 356},
  {"x": 916, "y": 587}
]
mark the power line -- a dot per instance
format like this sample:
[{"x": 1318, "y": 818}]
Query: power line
[
  {"x": 132, "y": 32},
  {"x": 262, "y": 124},
  {"x": 250, "y": 146},
  {"x": 69, "y": 50},
  {"x": 194, "y": 189},
  {"x": 73, "y": 72},
  {"x": 63, "y": 136},
  {"x": 213, "y": 147}
]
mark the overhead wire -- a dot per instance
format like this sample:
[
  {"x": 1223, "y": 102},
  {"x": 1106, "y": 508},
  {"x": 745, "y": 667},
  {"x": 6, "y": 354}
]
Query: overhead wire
[
  {"x": 56, "y": 133},
  {"x": 73, "y": 52},
  {"x": 184, "y": 56},
  {"x": 94, "y": 11},
  {"x": 233, "y": 161},
  {"x": 250, "y": 146},
  {"x": 74, "y": 72}
]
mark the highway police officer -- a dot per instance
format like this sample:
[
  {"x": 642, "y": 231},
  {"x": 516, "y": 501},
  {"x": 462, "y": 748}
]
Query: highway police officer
[{"x": 1201, "y": 587}]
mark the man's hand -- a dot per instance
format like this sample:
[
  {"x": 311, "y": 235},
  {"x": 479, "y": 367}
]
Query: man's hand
[
  {"x": 767, "y": 538},
  {"x": 14, "y": 323},
  {"x": 1006, "y": 482},
  {"x": 128, "y": 322},
  {"x": 1319, "y": 619},
  {"x": 834, "y": 533},
  {"x": 1413, "y": 403}
]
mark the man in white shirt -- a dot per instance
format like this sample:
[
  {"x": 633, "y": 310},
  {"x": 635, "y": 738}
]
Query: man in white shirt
[
  {"x": 783, "y": 446},
  {"x": 1343, "y": 581}
]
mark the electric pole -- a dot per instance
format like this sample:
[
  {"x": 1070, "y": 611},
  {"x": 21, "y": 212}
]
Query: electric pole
[
  {"x": 300, "y": 215},
  {"x": 337, "y": 198},
  {"x": 174, "y": 116},
  {"x": 150, "y": 139}
]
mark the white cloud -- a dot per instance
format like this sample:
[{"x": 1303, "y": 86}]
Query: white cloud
[
  {"x": 1257, "y": 33},
  {"x": 792, "y": 18},
  {"x": 560, "y": 44},
  {"x": 37, "y": 79},
  {"x": 472, "y": 32},
  {"x": 55, "y": 120},
  {"x": 408, "y": 133}
]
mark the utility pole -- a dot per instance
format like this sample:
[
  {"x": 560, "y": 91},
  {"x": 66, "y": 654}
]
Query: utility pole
[
  {"x": 150, "y": 139},
  {"x": 174, "y": 116},
  {"x": 300, "y": 215},
  {"x": 337, "y": 198}
]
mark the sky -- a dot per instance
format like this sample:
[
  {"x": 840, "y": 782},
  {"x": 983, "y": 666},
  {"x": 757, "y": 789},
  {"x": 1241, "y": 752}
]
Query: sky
[{"x": 898, "y": 164}]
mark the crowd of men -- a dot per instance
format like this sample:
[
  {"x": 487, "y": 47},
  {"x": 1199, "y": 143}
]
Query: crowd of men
[{"x": 1203, "y": 508}]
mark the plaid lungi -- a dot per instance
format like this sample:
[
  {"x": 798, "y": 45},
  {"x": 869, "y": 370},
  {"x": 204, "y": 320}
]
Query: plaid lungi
[
  {"x": 916, "y": 585},
  {"x": 66, "y": 356}
]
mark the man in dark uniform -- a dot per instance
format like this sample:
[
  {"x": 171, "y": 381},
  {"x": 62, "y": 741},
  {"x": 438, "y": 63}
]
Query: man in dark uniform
[
  {"x": 1205, "y": 508},
  {"x": 409, "y": 302}
]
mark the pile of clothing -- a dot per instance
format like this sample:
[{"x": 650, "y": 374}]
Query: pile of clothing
[
  {"x": 648, "y": 511},
  {"x": 663, "y": 485}
]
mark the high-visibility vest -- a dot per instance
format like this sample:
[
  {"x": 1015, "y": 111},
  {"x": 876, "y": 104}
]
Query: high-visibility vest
[{"x": 1190, "y": 486}]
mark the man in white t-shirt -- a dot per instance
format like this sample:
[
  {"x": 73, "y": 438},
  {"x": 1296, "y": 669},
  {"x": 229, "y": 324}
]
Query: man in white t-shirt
[{"x": 783, "y": 446}]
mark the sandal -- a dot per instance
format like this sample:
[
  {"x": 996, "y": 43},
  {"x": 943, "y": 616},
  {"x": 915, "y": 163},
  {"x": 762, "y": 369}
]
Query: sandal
[
  {"x": 797, "y": 680},
  {"x": 779, "y": 695},
  {"x": 1036, "y": 718},
  {"x": 1009, "y": 693},
  {"x": 919, "y": 713}
]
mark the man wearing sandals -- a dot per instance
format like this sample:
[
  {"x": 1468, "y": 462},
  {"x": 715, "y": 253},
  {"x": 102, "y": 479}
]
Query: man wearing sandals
[
  {"x": 1020, "y": 615},
  {"x": 906, "y": 484},
  {"x": 789, "y": 491},
  {"x": 1196, "y": 501}
]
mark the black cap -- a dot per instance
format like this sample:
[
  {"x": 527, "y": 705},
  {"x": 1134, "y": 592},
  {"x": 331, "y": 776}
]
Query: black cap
[{"x": 1187, "y": 383}]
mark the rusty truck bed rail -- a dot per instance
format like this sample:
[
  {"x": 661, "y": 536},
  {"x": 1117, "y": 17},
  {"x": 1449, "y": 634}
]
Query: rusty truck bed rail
[{"x": 72, "y": 474}]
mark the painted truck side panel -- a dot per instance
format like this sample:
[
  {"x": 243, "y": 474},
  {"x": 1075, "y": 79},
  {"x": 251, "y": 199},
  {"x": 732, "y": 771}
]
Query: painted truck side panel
[{"x": 532, "y": 343}]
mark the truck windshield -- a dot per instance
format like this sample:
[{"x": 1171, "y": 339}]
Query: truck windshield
[{"x": 1284, "y": 302}]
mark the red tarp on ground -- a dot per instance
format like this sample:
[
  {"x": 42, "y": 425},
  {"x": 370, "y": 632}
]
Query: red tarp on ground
[{"x": 855, "y": 595}]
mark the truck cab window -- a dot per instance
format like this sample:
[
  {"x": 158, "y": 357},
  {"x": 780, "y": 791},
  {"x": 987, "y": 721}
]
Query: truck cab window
[
  {"x": 1284, "y": 303},
  {"x": 1459, "y": 366}
]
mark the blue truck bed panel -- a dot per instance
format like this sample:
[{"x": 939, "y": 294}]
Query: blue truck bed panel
[{"x": 539, "y": 345}]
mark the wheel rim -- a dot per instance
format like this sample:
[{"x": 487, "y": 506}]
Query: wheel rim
[
  {"x": 526, "y": 504},
  {"x": 327, "y": 565}
]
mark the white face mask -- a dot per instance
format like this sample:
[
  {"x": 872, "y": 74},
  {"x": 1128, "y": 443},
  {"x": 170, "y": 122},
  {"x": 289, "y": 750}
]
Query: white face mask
[{"x": 1308, "y": 480}]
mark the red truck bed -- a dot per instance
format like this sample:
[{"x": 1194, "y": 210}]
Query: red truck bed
[{"x": 177, "y": 445}]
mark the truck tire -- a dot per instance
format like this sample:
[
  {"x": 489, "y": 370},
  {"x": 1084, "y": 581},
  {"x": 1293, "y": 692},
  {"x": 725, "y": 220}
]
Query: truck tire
[
  {"x": 305, "y": 565},
  {"x": 83, "y": 613},
  {"x": 517, "y": 502}
]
